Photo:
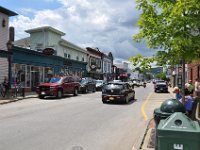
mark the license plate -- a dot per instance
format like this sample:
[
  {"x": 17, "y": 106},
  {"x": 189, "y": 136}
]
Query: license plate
[
  {"x": 43, "y": 93},
  {"x": 111, "y": 98},
  {"x": 161, "y": 89}
]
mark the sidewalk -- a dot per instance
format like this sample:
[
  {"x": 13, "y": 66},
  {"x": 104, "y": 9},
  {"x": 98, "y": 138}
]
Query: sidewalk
[
  {"x": 148, "y": 142},
  {"x": 10, "y": 100}
]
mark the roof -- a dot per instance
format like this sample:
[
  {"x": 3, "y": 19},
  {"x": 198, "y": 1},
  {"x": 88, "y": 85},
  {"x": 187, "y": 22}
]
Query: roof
[
  {"x": 7, "y": 12},
  {"x": 47, "y": 28}
]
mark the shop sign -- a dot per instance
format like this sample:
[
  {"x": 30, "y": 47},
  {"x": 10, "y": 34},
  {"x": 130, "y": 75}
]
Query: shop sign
[{"x": 48, "y": 51}]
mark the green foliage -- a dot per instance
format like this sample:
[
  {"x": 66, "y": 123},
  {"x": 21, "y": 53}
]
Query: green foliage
[
  {"x": 162, "y": 76},
  {"x": 169, "y": 25},
  {"x": 141, "y": 63}
]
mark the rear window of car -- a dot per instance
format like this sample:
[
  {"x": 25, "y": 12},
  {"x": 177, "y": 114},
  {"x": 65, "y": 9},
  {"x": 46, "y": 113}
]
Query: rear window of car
[
  {"x": 111, "y": 86},
  {"x": 160, "y": 82}
]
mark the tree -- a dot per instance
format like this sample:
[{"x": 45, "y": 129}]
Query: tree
[
  {"x": 142, "y": 64},
  {"x": 172, "y": 26}
]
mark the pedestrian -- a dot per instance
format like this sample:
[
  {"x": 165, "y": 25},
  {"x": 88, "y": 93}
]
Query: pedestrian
[
  {"x": 178, "y": 95},
  {"x": 189, "y": 88},
  {"x": 197, "y": 88},
  {"x": 6, "y": 86},
  {"x": 188, "y": 105}
]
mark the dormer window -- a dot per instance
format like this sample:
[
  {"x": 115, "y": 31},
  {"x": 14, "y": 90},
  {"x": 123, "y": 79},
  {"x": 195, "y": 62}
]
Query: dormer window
[
  {"x": 83, "y": 59},
  {"x": 77, "y": 58},
  {"x": 69, "y": 56},
  {"x": 3, "y": 23}
]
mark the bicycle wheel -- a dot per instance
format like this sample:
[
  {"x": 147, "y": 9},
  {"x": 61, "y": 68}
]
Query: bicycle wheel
[{"x": 2, "y": 90}]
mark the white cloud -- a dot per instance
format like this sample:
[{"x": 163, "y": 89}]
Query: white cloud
[{"x": 106, "y": 24}]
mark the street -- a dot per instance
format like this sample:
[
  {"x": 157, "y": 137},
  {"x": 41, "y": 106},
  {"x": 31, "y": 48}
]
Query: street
[{"x": 77, "y": 123}]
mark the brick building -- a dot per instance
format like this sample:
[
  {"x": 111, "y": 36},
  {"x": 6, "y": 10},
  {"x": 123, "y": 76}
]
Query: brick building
[{"x": 194, "y": 70}]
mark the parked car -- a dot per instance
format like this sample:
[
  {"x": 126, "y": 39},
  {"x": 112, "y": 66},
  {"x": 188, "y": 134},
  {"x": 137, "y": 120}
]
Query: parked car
[
  {"x": 58, "y": 86},
  {"x": 117, "y": 80},
  {"x": 87, "y": 85},
  {"x": 161, "y": 86},
  {"x": 99, "y": 84},
  {"x": 117, "y": 91}
]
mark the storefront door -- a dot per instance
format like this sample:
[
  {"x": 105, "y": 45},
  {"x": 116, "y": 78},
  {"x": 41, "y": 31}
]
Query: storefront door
[{"x": 34, "y": 80}]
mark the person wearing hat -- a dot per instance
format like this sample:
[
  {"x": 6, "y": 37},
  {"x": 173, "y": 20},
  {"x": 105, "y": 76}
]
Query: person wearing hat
[{"x": 176, "y": 90}]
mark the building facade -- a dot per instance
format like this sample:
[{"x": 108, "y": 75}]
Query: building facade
[
  {"x": 194, "y": 71},
  {"x": 31, "y": 67},
  {"x": 94, "y": 66},
  {"x": 107, "y": 63},
  {"x": 4, "y": 38}
]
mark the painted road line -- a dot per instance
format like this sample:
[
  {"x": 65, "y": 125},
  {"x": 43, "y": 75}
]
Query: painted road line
[{"x": 143, "y": 107}]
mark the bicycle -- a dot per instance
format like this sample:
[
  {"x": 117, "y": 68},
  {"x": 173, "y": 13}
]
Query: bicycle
[
  {"x": 2, "y": 90},
  {"x": 18, "y": 90}
]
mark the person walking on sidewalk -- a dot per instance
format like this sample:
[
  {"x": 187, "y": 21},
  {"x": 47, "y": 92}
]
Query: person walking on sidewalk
[
  {"x": 6, "y": 86},
  {"x": 189, "y": 88},
  {"x": 178, "y": 95}
]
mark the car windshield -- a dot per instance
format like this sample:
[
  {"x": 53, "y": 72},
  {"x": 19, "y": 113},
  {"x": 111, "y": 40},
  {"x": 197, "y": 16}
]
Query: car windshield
[
  {"x": 112, "y": 86},
  {"x": 99, "y": 81},
  {"x": 55, "y": 80},
  {"x": 83, "y": 81},
  {"x": 160, "y": 81}
]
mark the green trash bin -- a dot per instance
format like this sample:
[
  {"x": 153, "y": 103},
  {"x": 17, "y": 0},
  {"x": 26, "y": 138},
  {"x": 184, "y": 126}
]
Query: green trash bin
[
  {"x": 178, "y": 132},
  {"x": 167, "y": 108}
]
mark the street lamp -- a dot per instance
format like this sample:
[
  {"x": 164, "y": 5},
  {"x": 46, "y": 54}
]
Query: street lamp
[{"x": 9, "y": 47}]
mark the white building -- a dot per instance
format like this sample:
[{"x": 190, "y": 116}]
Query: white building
[{"x": 4, "y": 37}]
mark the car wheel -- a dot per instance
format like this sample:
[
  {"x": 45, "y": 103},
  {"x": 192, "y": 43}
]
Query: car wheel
[
  {"x": 75, "y": 92},
  {"x": 86, "y": 90},
  {"x": 41, "y": 97},
  {"x": 104, "y": 101},
  {"x": 126, "y": 100},
  {"x": 94, "y": 89},
  {"x": 133, "y": 97},
  {"x": 59, "y": 94}
]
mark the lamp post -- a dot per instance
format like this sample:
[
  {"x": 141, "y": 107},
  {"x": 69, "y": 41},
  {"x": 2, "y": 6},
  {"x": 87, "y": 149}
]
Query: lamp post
[{"x": 9, "y": 47}]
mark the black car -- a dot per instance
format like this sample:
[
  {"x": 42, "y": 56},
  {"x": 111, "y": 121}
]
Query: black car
[
  {"x": 160, "y": 86},
  {"x": 100, "y": 84},
  {"x": 87, "y": 85},
  {"x": 117, "y": 91}
]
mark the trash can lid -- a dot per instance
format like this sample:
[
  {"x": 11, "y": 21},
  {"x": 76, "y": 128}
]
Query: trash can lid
[{"x": 171, "y": 106}]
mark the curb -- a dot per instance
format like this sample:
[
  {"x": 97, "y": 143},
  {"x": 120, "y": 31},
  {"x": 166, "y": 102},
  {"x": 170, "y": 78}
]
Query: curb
[
  {"x": 16, "y": 99},
  {"x": 147, "y": 139}
]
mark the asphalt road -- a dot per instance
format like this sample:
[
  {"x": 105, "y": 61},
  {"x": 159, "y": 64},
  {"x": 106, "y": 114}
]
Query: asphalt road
[{"x": 73, "y": 123}]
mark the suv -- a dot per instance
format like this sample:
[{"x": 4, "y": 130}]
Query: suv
[
  {"x": 58, "y": 86},
  {"x": 87, "y": 84},
  {"x": 160, "y": 85}
]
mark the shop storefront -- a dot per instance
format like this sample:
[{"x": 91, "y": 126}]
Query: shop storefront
[{"x": 31, "y": 67}]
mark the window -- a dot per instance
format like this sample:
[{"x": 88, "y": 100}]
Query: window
[
  {"x": 65, "y": 55},
  {"x": 77, "y": 58},
  {"x": 69, "y": 56},
  {"x": 83, "y": 59},
  {"x": 191, "y": 74}
]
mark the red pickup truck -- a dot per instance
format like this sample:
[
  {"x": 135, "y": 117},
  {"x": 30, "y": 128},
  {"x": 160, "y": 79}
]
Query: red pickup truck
[{"x": 58, "y": 86}]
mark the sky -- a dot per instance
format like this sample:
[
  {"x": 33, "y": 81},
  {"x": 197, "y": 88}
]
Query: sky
[{"x": 106, "y": 24}]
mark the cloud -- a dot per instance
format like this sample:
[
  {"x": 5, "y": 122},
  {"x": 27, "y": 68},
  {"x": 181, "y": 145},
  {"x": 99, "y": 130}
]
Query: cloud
[{"x": 106, "y": 24}]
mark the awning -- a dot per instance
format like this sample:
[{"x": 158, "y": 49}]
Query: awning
[{"x": 124, "y": 75}]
